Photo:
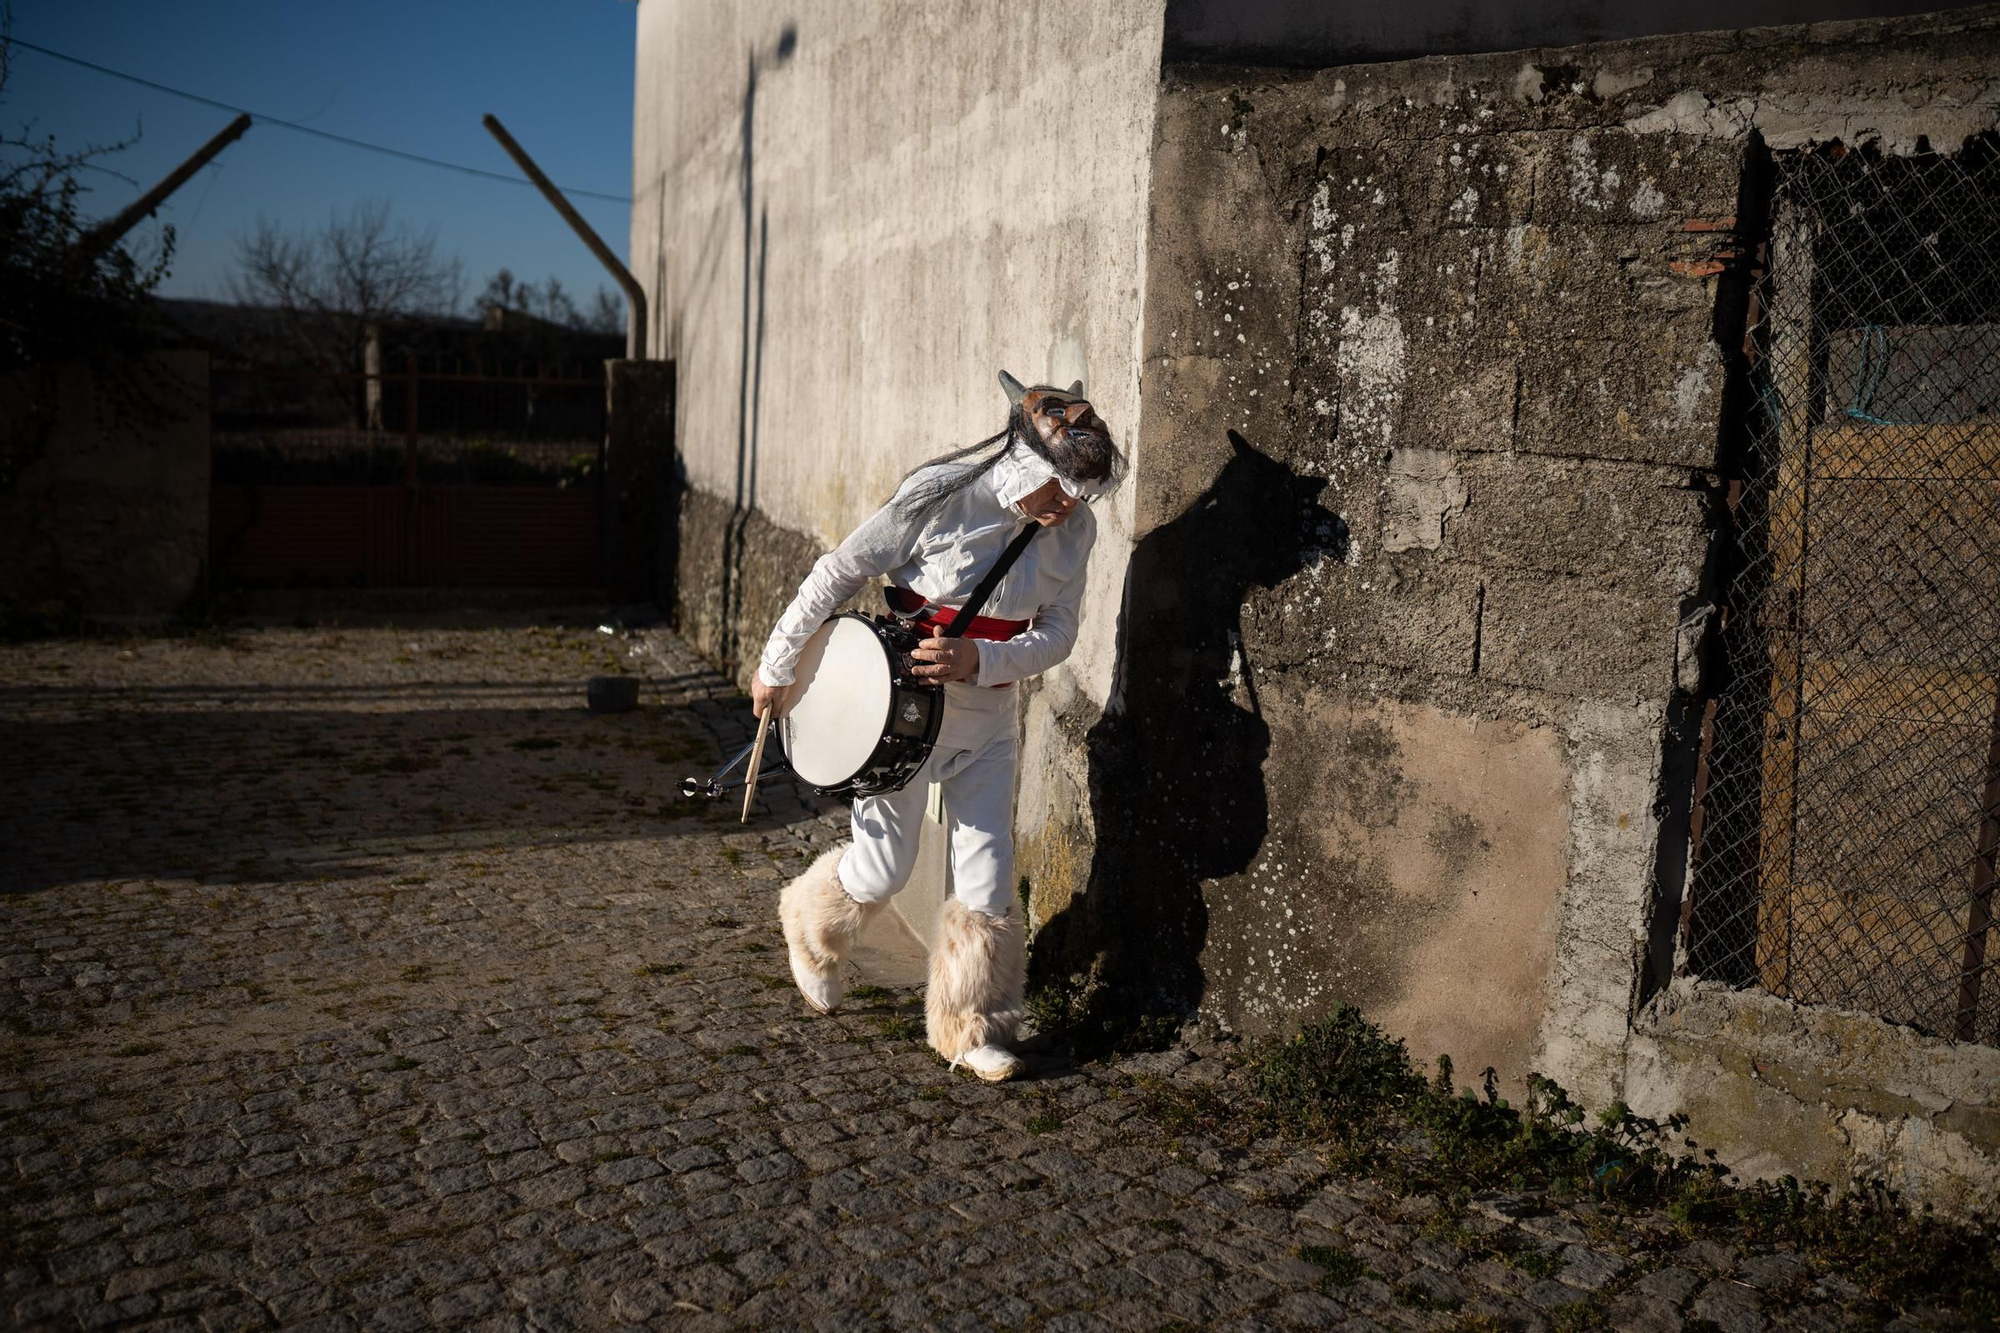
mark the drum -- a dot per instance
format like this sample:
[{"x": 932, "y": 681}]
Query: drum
[{"x": 858, "y": 721}]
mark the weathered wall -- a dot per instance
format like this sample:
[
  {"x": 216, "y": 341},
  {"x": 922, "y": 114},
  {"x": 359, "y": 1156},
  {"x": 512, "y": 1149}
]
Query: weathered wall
[
  {"x": 1436, "y": 363},
  {"x": 847, "y": 231},
  {"x": 111, "y": 521},
  {"x": 641, "y": 482},
  {"x": 1780, "y": 1088}
]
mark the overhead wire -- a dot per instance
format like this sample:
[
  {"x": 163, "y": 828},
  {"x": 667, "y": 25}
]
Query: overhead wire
[{"x": 307, "y": 129}]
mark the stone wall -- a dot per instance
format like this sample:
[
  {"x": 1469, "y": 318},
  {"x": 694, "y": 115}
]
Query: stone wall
[
  {"x": 736, "y": 571},
  {"x": 1436, "y": 404},
  {"x": 641, "y": 481},
  {"x": 110, "y": 522}
]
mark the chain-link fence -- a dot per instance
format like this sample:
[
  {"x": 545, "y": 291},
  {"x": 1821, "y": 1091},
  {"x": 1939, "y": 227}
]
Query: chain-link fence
[{"x": 1851, "y": 791}]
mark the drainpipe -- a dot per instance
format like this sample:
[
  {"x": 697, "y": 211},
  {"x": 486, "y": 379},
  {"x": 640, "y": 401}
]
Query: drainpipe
[{"x": 635, "y": 295}]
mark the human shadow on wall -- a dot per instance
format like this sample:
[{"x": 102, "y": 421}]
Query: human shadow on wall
[{"x": 1177, "y": 770}]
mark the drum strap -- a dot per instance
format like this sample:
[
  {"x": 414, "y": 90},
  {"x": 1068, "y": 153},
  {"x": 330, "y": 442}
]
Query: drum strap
[{"x": 962, "y": 620}]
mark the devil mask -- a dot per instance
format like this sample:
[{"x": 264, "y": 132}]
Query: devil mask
[{"x": 1059, "y": 435}]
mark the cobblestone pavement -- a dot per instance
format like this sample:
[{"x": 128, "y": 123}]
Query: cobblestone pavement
[{"x": 361, "y": 978}]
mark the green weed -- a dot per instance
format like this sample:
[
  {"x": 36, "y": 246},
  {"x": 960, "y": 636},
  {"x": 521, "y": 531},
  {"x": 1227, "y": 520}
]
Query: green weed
[{"x": 1339, "y": 1268}]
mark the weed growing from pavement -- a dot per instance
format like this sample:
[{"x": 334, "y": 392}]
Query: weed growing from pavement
[
  {"x": 1342, "y": 1084},
  {"x": 1338, "y": 1267},
  {"x": 898, "y": 1027},
  {"x": 1575, "y": 1317}
]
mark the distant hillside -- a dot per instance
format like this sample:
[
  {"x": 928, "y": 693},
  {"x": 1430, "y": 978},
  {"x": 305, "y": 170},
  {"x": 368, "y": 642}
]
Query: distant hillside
[{"x": 503, "y": 342}]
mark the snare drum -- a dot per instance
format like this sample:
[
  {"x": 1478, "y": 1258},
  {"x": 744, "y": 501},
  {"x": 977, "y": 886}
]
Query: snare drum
[{"x": 858, "y": 721}]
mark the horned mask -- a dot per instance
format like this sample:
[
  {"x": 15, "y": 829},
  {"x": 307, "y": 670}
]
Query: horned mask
[{"x": 1065, "y": 434}]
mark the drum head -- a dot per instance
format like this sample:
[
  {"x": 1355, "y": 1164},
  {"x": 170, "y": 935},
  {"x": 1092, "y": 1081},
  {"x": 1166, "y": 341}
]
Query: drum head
[{"x": 840, "y": 702}]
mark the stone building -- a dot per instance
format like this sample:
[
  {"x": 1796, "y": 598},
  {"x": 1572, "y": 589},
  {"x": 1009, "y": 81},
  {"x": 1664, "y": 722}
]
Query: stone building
[{"x": 1552, "y": 607}]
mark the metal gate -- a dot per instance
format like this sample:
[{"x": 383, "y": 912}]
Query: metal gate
[
  {"x": 477, "y": 480},
  {"x": 1851, "y": 812}
]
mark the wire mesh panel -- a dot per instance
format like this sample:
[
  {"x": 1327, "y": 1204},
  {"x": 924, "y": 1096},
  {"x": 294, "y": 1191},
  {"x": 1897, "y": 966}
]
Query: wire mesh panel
[{"x": 1852, "y": 803}]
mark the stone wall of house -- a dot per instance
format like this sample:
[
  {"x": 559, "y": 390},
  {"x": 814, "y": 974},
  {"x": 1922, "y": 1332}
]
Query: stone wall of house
[
  {"x": 1392, "y": 664},
  {"x": 1436, "y": 411}
]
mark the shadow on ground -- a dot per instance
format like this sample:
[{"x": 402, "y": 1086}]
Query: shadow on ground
[{"x": 284, "y": 782}]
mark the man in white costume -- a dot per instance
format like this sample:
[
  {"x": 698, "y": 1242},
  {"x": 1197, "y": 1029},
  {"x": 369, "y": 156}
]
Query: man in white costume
[{"x": 946, "y": 525}]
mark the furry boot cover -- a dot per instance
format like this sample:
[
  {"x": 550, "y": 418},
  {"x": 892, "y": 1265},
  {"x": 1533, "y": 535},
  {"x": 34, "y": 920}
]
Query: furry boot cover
[
  {"x": 821, "y": 924},
  {"x": 978, "y": 973}
]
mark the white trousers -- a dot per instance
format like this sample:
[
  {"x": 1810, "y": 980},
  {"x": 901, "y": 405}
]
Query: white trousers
[{"x": 974, "y": 762}]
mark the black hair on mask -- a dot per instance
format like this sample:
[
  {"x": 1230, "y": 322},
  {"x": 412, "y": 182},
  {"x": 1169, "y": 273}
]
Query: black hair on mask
[{"x": 1080, "y": 455}]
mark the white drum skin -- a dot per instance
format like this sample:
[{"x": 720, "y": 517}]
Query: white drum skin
[{"x": 841, "y": 699}]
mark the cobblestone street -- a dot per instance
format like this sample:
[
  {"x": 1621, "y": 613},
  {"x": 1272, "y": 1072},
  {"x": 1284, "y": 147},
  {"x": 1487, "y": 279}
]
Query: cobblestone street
[{"x": 361, "y": 978}]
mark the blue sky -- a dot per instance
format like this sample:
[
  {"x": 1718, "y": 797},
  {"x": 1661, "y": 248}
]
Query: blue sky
[{"x": 414, "y": 76}]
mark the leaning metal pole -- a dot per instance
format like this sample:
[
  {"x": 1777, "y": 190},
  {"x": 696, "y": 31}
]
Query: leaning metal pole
[
  {"x": 105, "y": 235},
  {"x": 635, "y": 295}
]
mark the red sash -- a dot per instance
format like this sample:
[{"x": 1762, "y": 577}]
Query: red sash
[{"x": 982, "y": 627}]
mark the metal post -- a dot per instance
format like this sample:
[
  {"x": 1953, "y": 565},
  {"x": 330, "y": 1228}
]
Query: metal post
[
  {"x": 1985, "y": 863},
  {"x": 410, "y": 424},
  {"x": 412, "y": 515},
  {"x": 105, "y": 235},
  {"x": 371, "y": 366},
  {"x": 635, "y": 295}
]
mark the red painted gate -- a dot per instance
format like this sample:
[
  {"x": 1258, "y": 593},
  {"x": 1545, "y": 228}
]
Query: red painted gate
[
  {"x": 390, "y": 536},
  {"x": 492, "y": 481}
]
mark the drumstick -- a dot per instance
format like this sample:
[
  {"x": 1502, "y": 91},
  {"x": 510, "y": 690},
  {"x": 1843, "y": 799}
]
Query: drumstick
[{"x": 756, "y": 764}]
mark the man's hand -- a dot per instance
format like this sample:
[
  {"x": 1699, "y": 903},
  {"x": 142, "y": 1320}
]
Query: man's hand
[
  {"x": 952, "y": 659},
  {"x": 767, "y": 700}
]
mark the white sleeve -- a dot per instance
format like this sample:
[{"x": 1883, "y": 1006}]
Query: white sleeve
[
  {"x": 1050, "y": 636},
  {"x": 885, "y": 542}
]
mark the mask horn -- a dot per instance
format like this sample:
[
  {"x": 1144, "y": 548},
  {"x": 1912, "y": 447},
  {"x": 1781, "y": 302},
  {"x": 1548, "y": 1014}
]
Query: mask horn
[
  {"x": 1016, "y": 390},
  {"x": 1076, "y": 389}
]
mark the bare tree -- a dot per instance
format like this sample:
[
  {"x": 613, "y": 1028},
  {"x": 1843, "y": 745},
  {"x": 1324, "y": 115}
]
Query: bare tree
[
  {"x": 607, "y": 312},
  {"x": 331, "y": 284},
  {"x": 502, "y": 290},
  {"x": 62, "y": 300},
  {"x": 552, "y": 302}
]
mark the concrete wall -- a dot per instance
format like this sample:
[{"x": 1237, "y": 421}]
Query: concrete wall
[
  {"x": 1437, "y": 357},
  {"x": 111, "y": 520},
  {"x": 846, "y": 231},
  {"x": 641, "y": 482}
]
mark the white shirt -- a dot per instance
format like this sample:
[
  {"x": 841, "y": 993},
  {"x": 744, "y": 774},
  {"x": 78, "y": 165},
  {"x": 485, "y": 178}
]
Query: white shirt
[{"x": 941, "y": 557}]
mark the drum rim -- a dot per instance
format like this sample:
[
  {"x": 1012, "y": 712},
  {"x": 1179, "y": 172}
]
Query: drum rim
[{"x": 888, "y": 711}]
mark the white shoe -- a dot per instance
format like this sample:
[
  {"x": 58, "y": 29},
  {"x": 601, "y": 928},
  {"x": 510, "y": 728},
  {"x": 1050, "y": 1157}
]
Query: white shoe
[
  {"x": 994, "y": 1064},
  {"x": 821, "y": 923},
  {"x": 822, "y": 993}
]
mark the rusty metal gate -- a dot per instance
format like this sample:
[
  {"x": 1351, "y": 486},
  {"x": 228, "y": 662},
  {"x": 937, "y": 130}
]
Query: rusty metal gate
[
  {"x": 1847, "y": 832},
  {"x": 428, "y": 477}
]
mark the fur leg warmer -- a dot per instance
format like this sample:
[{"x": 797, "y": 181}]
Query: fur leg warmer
[
  {"x": 821, "y": 924},
  {"x": 978, "y": 974}
]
